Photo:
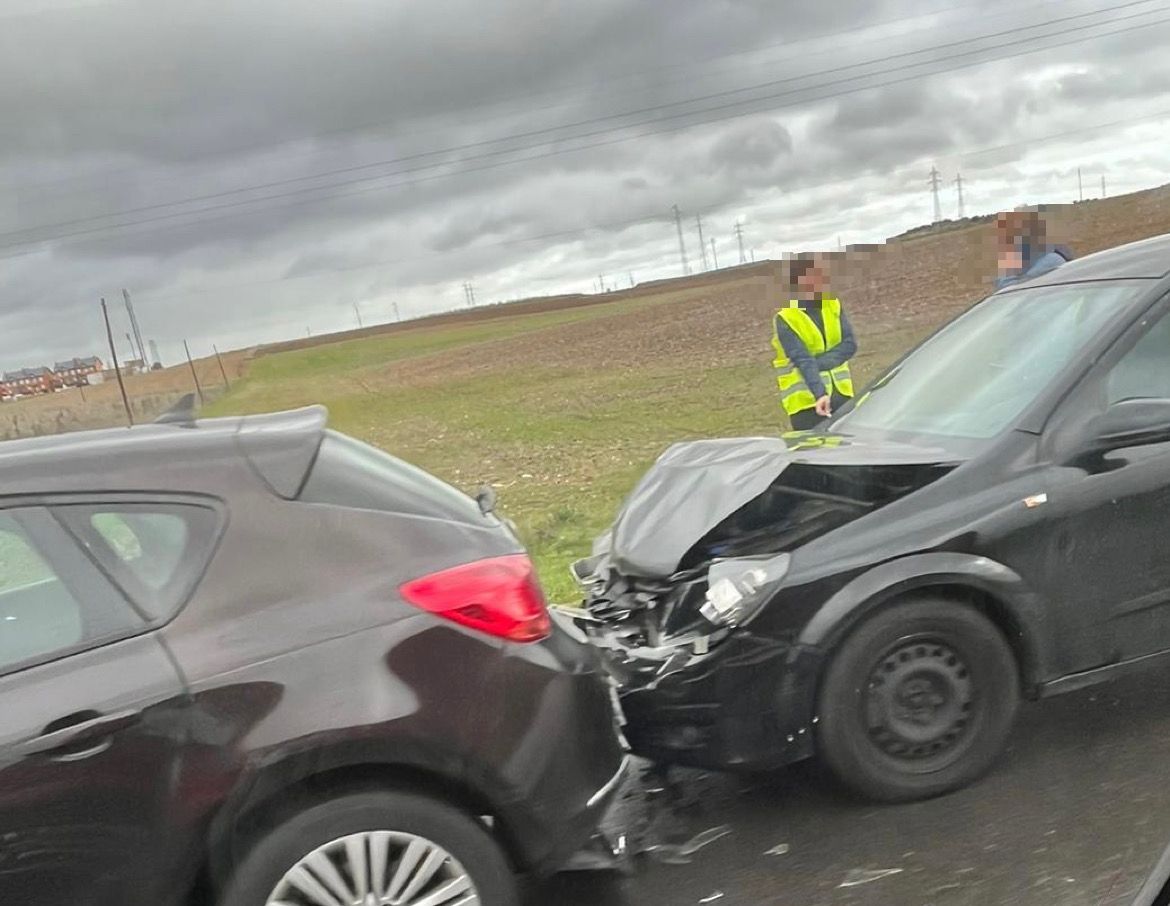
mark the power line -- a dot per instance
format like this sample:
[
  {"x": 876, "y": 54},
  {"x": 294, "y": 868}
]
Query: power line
[
  {"x": 634, "y": 221},
  {"x": 110, "y": 227},
  {"x": 506, "y": 151},
  {"x": 714, "y": 257},
  {"x": 959, "y": 189},
  {"x": 512, "y": 105},
  {"x": 702, "y": 244},
  {"x": 739, "y": 237}
]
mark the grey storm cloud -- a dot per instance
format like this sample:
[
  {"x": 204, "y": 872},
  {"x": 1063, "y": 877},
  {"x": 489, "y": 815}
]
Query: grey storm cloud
[
  {"x": 250, "y": 170},
  {"x": 752, "y": 146}
]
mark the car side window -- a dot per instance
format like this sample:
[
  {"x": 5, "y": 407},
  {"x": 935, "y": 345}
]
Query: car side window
[
  {"x": 1144, "y": 372},
  {"x": 154, "y": 551},
  {"x": 50, "y": 604}
]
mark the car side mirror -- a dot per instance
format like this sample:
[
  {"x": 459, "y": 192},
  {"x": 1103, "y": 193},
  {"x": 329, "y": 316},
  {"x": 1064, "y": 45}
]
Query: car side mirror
[{"x": 1130, "y": 423}]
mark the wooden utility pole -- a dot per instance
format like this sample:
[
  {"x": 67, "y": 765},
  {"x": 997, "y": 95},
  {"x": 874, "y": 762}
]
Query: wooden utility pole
[
  {"x": 198, "y": 389},
  {"x": 227, "y": 385},
  {"x": 117, "y": 369}
]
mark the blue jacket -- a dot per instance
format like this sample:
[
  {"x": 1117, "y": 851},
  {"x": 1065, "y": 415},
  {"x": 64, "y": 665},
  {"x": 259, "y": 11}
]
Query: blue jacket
[
  {"x": 1048, "y": 260},
  {"x": 811, "y": 366}
]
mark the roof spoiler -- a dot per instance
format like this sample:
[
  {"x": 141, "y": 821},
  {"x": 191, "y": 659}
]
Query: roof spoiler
[{"x": 282, "y": 447}]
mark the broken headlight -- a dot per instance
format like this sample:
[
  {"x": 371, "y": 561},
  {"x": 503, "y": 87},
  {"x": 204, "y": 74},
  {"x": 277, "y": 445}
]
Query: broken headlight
[
  {"x": 736, "y": 589},
  {"x": 588, "y": 574}
]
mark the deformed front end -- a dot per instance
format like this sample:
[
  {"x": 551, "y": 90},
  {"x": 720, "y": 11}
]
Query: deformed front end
[{"x": 701, "y": 547}]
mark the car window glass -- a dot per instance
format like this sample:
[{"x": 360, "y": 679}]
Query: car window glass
[
  {"x": 154, "y": 551},
  {"x": 46, "y": 607},
  {"x": 165, "y": 536},
  {"x": 971, "y": 380},
  {"x": 1144, "y": 372}
]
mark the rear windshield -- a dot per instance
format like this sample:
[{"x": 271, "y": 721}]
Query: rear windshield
[{"x": 353, "y": 474}]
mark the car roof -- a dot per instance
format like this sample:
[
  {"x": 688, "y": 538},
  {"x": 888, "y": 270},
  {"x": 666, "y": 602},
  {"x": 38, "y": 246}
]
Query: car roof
[
  {"x": 1146, "y": 259},
  {"x": 198, "y": 456}
]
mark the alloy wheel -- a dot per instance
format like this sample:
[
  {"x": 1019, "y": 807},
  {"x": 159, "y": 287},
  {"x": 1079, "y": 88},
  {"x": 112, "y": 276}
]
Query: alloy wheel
[{"x": 376, "y": 868}]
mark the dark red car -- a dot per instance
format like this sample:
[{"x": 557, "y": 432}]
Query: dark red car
[{"x": 253, "y": 662}]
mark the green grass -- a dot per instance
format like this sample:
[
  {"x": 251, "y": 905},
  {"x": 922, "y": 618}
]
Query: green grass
[{"x": 562, "y": 446}]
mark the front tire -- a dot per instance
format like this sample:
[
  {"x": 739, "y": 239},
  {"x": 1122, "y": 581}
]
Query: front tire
[
  {"x": 917, "y": 701},
  {"x": 364, "y": 848}
]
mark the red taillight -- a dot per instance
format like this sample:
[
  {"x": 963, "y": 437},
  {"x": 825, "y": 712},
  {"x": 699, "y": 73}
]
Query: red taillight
[{"x": 500, "y": 596}]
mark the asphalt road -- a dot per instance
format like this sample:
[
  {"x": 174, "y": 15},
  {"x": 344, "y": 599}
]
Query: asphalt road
[{"x": 1077, "y": 812}]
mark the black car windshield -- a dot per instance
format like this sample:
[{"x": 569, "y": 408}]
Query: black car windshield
[{"x": 972, "y": 379}]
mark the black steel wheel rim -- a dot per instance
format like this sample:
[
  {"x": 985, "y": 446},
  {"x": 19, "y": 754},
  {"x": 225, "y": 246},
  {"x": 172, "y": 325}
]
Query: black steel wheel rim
[{"x": 919, "y": 701}]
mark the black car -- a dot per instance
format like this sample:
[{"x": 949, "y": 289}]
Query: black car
[
  {"x": 989, "y": 520},
  {"x": 254, "y": 662}
]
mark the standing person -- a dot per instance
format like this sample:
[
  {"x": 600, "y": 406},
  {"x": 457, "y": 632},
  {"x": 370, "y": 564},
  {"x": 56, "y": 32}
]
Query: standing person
[
  {"x": 813, "y": 342},
  {"x": 1022, "y": 250}
]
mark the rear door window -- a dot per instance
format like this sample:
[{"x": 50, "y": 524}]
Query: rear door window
[
  {"x": 155, "y": 551},
  {"x": 53, "y": 601}
]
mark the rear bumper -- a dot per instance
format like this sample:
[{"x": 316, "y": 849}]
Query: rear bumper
[
  {"x": 557, "y": 754},
  {"x": 749, "y": 704}
]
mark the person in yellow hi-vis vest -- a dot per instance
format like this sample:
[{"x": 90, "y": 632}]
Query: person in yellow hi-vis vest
[{"x": 813, "y": 343}]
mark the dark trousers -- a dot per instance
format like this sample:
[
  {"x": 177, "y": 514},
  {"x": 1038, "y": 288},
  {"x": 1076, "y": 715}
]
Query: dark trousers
[{"x": 808, "y": 419}]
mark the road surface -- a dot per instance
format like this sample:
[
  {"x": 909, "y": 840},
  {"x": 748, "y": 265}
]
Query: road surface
[{"x": 1077, "y": 812}]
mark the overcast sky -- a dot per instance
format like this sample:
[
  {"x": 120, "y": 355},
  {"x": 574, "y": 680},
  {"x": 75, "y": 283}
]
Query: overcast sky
[{"x": 252, "y": 170}]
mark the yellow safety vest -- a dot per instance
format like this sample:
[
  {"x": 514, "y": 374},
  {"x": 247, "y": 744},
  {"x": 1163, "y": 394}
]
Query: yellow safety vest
[{"x": 795, "y": 394}]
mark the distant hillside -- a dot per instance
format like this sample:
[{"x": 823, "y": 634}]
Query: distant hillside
[{"x": 924, "y": 272}]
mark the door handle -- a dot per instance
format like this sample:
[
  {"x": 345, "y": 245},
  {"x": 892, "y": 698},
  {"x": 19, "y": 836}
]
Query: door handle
[{"x": 98, "y": 728}]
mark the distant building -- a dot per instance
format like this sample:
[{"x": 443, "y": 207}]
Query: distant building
[
  {"x": 134, "y": 366},
  {"x": 30, "y": 382},
  {"x": 75, "y": 372}
]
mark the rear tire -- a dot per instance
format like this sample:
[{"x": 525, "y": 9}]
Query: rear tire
[
  {"x": 361, "y": 829},
  {"x": 917, "y": 701}
]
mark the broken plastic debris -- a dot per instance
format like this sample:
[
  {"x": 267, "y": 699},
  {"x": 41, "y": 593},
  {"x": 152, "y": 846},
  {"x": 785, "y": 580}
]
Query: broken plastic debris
[
  {"x": 780, "y": 849},
  {"x": 712, "y": 897},
  {"x": 858, "y": 876},
  {"x": 680, "y": 853}
]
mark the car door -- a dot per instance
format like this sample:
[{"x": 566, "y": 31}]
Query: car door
[
  {"x": 91, "y": 729},
  {"x": 1109, "y": 553}
]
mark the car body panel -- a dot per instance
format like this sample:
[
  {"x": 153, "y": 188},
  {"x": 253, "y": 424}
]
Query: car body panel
[
  {"x": 80, "y": 823},
  {"x": 696, "y": 485}
]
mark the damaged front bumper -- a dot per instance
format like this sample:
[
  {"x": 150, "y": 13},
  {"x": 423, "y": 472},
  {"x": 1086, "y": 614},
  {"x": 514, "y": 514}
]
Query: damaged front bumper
[{"x": 731, "y": 700}]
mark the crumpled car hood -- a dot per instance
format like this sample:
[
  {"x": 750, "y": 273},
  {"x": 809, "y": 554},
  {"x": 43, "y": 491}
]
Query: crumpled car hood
[{"x": 696, "y": 485}]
